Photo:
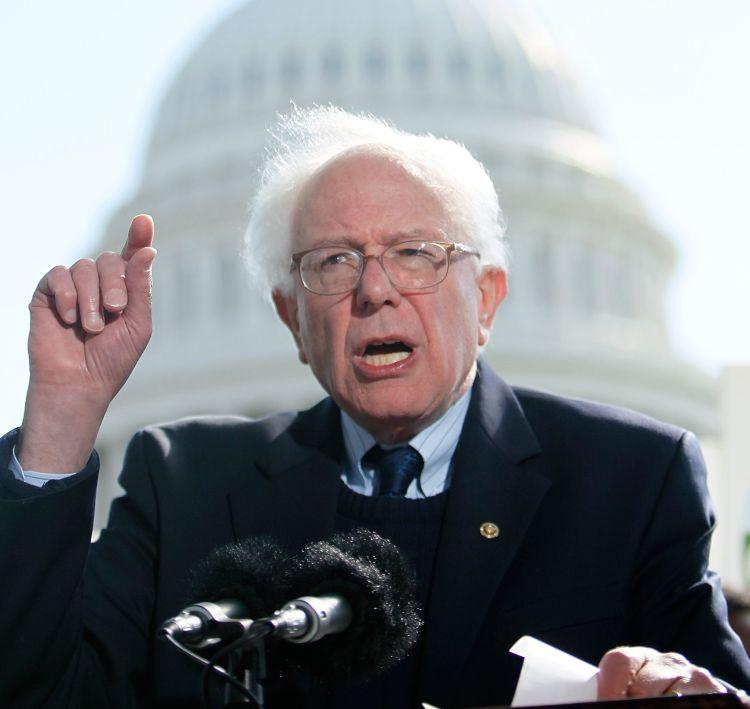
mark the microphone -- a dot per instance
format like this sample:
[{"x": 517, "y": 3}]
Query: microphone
[
  {"x": 240, "y": 581},
  {"x": 310, "y": 618},
  {"x": 303, "y": 620},
  {"x": 353, "y": 596},
  {"x": 207, "y": 623}
]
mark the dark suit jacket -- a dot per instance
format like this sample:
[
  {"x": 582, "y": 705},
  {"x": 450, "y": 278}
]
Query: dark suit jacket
[{"x": 604, "y": 527}]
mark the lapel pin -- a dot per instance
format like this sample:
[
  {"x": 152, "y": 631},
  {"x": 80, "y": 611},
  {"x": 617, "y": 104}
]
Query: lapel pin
[{"x": 489, "y": 530}]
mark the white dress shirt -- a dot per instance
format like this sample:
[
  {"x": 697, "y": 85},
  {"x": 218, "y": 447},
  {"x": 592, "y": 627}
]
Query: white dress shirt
[{"x": 436, "y": 444}]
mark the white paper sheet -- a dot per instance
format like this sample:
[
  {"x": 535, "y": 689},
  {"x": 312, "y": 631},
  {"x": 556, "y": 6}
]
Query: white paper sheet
[{"x": 551, "y": 676}]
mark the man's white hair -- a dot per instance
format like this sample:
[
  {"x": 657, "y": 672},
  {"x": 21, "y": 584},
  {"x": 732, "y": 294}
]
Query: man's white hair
[{"x": 304, "y": 140}]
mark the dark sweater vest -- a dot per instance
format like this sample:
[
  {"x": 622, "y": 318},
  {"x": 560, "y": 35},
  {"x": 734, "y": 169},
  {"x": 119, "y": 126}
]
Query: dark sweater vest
[{"x": 414, "y": 527}]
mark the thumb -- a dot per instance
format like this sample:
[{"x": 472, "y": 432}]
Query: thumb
[{"x": 138, "y": 283}]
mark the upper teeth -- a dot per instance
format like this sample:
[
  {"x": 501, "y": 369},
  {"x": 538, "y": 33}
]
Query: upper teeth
[{"x": 380, "y": 360}]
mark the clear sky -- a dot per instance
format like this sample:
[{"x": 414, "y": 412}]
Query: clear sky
[{"x": 666, "y": 79}]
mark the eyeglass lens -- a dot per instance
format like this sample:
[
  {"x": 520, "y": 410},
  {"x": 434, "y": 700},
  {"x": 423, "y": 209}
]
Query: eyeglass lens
[{"x": 409, "y": 264}]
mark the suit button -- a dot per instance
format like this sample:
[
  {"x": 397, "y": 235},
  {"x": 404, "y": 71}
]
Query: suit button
[{"x": 489, "y": 530}]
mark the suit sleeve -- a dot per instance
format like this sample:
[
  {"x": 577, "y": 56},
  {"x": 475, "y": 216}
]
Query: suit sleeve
[
  {"x": 676, "y": 602},
  {"x": 79, "y": 616}
]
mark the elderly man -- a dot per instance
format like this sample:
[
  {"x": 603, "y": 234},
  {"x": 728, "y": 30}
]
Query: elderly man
[{"x": 522, "y": 513}]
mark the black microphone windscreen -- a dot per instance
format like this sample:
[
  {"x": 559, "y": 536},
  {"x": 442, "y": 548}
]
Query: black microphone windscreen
[
  {"x": 252, "y": 571},
  {"x": 372, "y": 574}
]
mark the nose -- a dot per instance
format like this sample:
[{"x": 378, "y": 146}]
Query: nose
[{"x": 375, "y": 288}]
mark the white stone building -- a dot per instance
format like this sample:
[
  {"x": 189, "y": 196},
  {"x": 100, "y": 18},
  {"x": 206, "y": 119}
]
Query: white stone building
[{"x": 585, "y": 316}]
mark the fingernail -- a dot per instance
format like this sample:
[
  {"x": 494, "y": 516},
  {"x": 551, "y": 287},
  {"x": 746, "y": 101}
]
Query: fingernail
[
  {"x": 116, "y": 298},
  {"x": 71, "y": 315},
  {"x": 93, "y": 321}
]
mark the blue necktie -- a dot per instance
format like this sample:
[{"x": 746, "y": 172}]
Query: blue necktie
[{"x": 396, "y": 468}]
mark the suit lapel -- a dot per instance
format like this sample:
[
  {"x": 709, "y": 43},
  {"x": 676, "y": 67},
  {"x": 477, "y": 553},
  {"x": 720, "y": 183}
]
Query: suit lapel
[
  {"x": 495, "y": 479},
  {"x": 294, "y": 495}
]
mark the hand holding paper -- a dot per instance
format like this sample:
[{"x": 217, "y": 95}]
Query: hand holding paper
[{"x": 551, "y": 676}]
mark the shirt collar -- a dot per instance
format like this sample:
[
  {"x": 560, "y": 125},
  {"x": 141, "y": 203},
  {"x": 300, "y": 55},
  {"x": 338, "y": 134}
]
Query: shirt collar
[{"x": 436, "y": 444}]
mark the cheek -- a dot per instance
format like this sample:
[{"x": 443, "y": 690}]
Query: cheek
[
  {"x": 453, "y": 341},
  {"x": 324, "y": 337},
  {"x": 461, "y": 323},
  {"x": 313, "y": 331}
]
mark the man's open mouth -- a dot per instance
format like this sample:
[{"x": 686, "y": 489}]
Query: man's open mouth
[{"x": 380, "y": 354}]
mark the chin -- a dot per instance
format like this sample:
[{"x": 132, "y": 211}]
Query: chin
[{"x": 393, "y": 416}]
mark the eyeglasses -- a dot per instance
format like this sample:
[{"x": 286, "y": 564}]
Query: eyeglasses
[{"x": 409, "y": 265}]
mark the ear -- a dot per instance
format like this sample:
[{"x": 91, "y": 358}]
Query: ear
[
  {"x": 492, "y": 286},
  {"x": 286, "y": 307}
]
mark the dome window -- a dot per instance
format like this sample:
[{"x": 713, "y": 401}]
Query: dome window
[
  {"x": 332, "y": 63},
  {"x": 545, "y": 287},
  {"x": 252, "y": 75},
  {"x": 228, "y": 284},
  {"x": 374, "y": 62},
  {"x": 458, "y": 65},
  {"x": 622, "y": 300},
  {"x": 584, "y": 286},
  {"x": 183, "y": 293},
  {"x": 291, "y": 68},
  {"x": 416, "y": 63},
  {"x": 495, "y": 70}
]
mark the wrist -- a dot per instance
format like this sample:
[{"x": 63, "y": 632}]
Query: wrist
[{"x": 59, "y": 428}]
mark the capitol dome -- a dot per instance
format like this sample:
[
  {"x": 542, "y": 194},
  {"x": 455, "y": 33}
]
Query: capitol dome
[
  {"x": 469, "y": 54},
  {"x": 586, "y": 312}
]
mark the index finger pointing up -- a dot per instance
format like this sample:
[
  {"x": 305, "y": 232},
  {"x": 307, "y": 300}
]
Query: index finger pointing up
[{"x": 140, "y": 234}]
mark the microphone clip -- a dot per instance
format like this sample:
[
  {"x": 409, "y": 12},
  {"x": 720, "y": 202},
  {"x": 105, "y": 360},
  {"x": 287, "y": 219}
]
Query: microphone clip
[
  {"x": 205, "y": 624},
  {"x": 225, "y": 628}
]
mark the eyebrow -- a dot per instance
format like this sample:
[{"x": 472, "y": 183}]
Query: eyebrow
[{"x": 394, "y": 238}]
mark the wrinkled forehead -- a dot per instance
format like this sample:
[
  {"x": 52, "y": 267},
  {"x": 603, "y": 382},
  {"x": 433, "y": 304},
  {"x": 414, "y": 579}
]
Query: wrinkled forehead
[{"x": 364, "y": 193}]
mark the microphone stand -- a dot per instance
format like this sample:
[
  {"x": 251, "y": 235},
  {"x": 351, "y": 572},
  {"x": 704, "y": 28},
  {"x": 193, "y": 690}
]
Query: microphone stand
[
  {"x": 246, "y": 664},
  {"x": 245, "y": 671}
]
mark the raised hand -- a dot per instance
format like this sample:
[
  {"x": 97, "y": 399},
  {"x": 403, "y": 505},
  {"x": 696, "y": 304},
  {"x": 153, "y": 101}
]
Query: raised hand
[{"x": 90, "y": 323}]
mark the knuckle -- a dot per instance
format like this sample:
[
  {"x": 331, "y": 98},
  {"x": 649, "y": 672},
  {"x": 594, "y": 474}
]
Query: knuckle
[
  {"x": 674, "y": 659},
  {"x": 701, "y": 676},
  {"x": 83, "y": 268},
  {"x": 57, "y": 272},
  {"x": 107, "y": 257},
  {"x": 614, "y": 666},
  {"x": 616, "y": 656},
  {"x": 66, "y": 294}
]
